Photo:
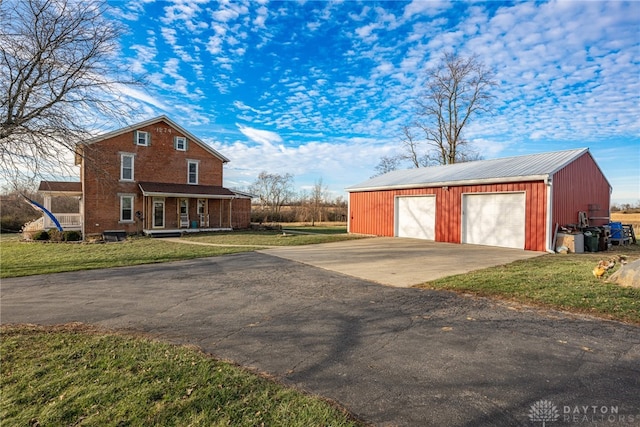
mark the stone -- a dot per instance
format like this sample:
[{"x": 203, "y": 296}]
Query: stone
[{"x": 627, "y": 275}]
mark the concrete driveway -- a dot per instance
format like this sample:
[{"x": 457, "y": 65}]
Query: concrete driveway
[
  {"x": 392, "y": 356},
  {"x": 400, "y": 262}
]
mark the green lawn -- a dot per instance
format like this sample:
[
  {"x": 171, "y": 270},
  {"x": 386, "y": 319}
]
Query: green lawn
[
  {"x": 28, "y": 258},
  {"x": 563, "y": 282},
  {"x": 339, "y": 229},
  {"x": 292, "y": 236},
  {"x": 67, "y": 376},
  {"x": 19, "y": 258}
]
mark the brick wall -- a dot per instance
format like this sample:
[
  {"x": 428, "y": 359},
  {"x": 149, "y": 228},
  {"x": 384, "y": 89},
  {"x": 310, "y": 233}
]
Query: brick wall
[{"x": 158, "y": 162}]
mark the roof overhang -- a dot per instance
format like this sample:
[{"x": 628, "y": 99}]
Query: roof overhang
[
  {"x": 157, "y": 189},
  {"x": 60, "y": 188},
  {"x": 509, "y": 179}
]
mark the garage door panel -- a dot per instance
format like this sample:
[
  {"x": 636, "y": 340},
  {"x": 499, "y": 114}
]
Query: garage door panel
[
  {"x": 416, "y": 217},
  {"x": 494, "y": 219}
]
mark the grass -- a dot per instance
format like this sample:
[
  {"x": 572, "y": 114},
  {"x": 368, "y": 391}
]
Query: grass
[
  {"x": 563, "y": 282},
  {"x": 73, "y": 375},
  {"x": 30, "y": 258},
  {"x": 316, "y": 229},
  {"x": 18, "y": 258},
  {"x": 292, "y": 236}
]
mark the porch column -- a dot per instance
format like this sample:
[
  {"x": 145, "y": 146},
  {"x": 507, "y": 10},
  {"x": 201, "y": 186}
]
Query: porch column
[{"x": 47, "y": 202}]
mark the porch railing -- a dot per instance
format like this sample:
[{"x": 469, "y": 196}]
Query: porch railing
[
  {"x": 204, "y": 221},
  {"x": 68, "y": 221},
  {"x": 184, "y": 221}
]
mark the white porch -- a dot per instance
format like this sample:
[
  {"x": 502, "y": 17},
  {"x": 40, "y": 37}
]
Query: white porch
[{"x": 68, "y": 221}]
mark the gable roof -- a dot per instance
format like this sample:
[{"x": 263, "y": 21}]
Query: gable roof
[
  {"x": 533, "y": 167},
  {"x": 162, "y": 118}
]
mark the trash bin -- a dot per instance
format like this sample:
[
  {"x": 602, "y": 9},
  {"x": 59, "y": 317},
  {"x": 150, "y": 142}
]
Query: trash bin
[
  {"x": 616, "y": 230},
  {"x": 194, "y": 224},
  {"x": 591, "y": 238}
]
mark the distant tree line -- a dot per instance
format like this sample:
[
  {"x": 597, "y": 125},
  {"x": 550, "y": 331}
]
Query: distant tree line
[
  {"x": 626, "y": 207},
  {"x": 277, "y": 201}
]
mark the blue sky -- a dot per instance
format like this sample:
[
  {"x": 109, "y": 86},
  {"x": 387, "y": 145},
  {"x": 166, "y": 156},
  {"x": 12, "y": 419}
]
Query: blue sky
[{"x": 322, "y": 89}]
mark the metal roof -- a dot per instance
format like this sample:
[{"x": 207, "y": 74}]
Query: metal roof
[{"x": 508, "y": 169}]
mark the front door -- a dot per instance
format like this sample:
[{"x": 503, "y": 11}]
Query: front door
[
  {"x": 158, "y": 213},
  {"x": 183, "y": 206}
]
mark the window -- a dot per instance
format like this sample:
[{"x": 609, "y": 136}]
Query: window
[
  {"x": 180, "y": 143},
  {"x": 192, "y": 167},
  {"x": 126, "y": 208},
  {"x": 141, "y": 138},
  {"x": 126, "y": 167}
]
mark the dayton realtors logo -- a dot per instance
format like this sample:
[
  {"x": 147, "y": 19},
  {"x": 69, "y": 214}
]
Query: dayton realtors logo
[{"x": 545, "y": 411}]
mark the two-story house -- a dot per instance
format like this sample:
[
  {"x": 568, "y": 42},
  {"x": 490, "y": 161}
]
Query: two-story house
[{"x": 153, "y": 177}]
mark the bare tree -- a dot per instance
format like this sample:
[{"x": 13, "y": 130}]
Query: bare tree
[
  {"x": 456, "y": 90},
  {"x": 317, "y": 199},
  {"x": 273, "y": 191},
  {"x": 387, "y": 164},
  {"x": 58, "y": 80}
]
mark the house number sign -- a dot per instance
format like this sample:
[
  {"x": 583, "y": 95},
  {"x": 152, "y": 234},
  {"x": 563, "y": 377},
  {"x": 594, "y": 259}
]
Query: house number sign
[{"x": 163, "y": 130}]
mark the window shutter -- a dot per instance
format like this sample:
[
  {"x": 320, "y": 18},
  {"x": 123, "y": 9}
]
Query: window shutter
[
  {"x": 175, "y": 142},
  {"x": 149, "y": 139},
  {"x": 186, "y": 144},
  {"x": 135, "y": 137}
]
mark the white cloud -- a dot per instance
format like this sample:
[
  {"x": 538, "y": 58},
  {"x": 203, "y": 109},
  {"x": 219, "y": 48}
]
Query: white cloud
[
  {"x": 426, "y": 8},
  {"x": 568, "y": 71},
  {"x": 264, "y": 137},
  {"x": 307, "y": 162}
]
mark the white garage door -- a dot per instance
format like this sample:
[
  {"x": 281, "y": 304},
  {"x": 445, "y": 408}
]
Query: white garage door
[
  {"x": 494, "y": 219},
  {"x": 416, "y": 217}
]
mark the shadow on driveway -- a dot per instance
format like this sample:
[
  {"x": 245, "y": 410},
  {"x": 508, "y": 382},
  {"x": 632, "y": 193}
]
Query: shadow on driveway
[{"x": 394, "y": 357}]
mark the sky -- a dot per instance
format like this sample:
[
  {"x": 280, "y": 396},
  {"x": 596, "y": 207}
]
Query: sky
[{"x": 322, "y": 89}]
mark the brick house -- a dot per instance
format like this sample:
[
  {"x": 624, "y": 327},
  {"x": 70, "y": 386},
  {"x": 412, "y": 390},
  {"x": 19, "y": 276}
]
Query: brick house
[{"x": 153, "y": 177}]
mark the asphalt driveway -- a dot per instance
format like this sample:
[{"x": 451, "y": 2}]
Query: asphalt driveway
[
  {"x": 393, "y": 356},
  {"x": 400, "y": 262}
]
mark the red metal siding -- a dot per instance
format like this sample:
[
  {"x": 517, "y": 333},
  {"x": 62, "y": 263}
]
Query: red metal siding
[
  {"x": 372, "y": 212},
  {"x": 575, "y": 187}
]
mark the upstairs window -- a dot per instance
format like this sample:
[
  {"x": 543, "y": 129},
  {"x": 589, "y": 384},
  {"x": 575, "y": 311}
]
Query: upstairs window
[
  {"x": 192, "y": 172},
  {"x": 126, "y": 167},
  {"x": 141, "y": 138},
  {"x": 180, "y": 143}
]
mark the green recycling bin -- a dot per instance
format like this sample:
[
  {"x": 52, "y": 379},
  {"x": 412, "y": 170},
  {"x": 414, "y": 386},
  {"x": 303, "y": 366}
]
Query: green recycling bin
[{"x": 591, "y": 238}]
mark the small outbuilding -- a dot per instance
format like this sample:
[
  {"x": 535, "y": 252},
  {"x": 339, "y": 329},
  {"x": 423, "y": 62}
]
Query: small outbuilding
[{"x": 514, "y": 202}]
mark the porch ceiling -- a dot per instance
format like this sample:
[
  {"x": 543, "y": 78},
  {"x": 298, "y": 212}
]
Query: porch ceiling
[{"x": 160, "y": 189}]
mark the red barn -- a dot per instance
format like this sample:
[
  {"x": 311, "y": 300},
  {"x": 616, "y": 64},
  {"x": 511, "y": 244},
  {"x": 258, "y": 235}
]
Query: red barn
[{"x": 513, "y": 202}]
